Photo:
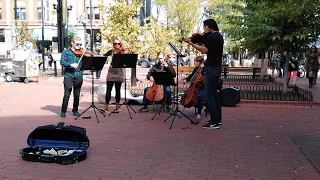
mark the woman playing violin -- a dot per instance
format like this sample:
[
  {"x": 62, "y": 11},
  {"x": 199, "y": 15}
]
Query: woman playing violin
[
  {"x": 115, "y": 76},
  {"x": 73, "y": 76},
  {"x": 198, "y": 62}
]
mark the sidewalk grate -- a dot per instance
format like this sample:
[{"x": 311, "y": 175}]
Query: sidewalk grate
[{"x": 310, "y": 146}]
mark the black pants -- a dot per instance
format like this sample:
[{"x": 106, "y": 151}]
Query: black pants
[
  {"x": 109, "y": 89},
  {"x": 68, "y": 83}
]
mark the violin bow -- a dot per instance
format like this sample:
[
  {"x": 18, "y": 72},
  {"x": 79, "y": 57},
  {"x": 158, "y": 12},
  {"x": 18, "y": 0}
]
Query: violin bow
[
  {"x": 83, "y": 53},
  {"x": 199, "y": 69}
]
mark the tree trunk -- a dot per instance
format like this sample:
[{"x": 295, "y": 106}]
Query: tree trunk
[{"x": 285, "y": 71}]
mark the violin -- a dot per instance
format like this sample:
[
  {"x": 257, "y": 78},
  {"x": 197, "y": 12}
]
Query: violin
[
  {"x": 121, "y": 50},
  {"x": 156, "y": 92},
  {"x": 190, "y": 95},
  {"x": 197, "y": 38},
  {"x": 82, "y": 52}
]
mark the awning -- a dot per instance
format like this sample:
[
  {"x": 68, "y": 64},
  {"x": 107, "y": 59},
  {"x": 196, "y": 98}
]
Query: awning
[{"x": 37, "y": 34}]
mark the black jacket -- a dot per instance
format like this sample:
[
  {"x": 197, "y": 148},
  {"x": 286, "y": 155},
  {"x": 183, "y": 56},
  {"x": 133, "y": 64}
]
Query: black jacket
[{"x": 158, "y": 68}]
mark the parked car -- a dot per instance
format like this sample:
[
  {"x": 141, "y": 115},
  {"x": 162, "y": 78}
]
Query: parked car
[
  {"x": 146, "y": 62},
  {"x": 173, "y": 61}
]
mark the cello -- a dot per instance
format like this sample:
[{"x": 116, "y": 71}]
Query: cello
[
  {"x": 156, "y": 92},
  {"x": 190, "y": 95}
]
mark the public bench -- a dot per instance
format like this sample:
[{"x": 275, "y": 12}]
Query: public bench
[
  {"x": 225, "y": 70},
  {"x": 254, "y": 70}
]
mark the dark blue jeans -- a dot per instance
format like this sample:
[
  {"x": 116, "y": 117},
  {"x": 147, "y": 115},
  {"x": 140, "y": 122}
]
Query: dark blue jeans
[
  {"x": 76, "y": 84},
  {"x": 168, "y": 93},
  {"x": 98, "y": 74},
  {"x": 199, "y": 104},
  {"x": 212, "y": 75}
]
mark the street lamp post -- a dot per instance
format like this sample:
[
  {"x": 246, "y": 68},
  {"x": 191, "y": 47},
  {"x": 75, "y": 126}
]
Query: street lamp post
[
  {"x": 42, "y": 27},
  {"x": 67, "y": 19},
  {"x": 84, "y": 23},
  {"x": 59, "y": 7}
]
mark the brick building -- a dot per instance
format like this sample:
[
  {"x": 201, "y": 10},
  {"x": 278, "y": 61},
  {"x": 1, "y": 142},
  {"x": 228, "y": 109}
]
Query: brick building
[{"x": 30, "y": 11}]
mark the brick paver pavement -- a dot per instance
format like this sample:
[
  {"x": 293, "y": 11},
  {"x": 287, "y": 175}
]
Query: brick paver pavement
[{"x": 253, "y": 144}]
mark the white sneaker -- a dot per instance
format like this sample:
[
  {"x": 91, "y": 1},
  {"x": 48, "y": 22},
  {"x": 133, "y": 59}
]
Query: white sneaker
[{"x": 198, "y": 117}]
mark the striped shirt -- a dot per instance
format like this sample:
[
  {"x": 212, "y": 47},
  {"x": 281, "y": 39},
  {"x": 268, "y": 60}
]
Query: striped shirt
[{"x": 68, "y": 57}]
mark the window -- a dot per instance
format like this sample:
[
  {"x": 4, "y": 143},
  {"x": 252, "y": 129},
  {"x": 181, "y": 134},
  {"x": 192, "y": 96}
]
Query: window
[
  {"x": 21, "y": 13},
  {"x": 96, "y": 13},
  {"x": 2, "y": 35},
  {"x": 39, "y": 13},
  {"x": 0, "y": 14},
  {"x": 96, "y": 34}
]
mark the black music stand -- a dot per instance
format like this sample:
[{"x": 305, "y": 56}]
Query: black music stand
[
  {"x": 124, "y": 61},
  {"x": 165, "y": 79},
  {"x": 175, "y": 113},
  {"x": 93, "y": 64}
]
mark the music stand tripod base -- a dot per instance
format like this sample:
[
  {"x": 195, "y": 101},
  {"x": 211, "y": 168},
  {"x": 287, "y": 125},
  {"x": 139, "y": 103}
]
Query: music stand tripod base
[
  {"x": 127, "y": 105},
  {"x": 164, "y": 79},
  {"x": 124, "y": 61},
  {"x": 161, "y": 108},
  {"x": 94, "y": 109},
  {"x": 175, "y": 113},
  {"x": 93, "y": 64}
]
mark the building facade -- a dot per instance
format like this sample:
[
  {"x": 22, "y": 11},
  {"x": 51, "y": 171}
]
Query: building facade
[{"x": 31, "y": 12}]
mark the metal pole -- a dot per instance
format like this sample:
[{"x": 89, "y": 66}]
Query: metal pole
[
  {"x": 42, "y": 26},
  {"x": 84, "y": 24},
  {"x": 91, "y": 34},
  {"x": 15, "y": 9},
  {"x": 60, "y": 27},
  {"x": 67, "y": 13}
]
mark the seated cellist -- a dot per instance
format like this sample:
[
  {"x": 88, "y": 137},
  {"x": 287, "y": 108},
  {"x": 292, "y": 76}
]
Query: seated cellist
[
  {"x": 198, "y": 62},
  {"x": 161, "y": 66}
]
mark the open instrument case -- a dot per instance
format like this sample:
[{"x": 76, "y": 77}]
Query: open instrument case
[{"x": 56, "y": 144}]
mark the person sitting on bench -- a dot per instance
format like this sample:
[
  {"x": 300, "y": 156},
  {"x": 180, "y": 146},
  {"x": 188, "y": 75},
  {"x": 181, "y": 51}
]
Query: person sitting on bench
[{"x": 161, "y": 66}]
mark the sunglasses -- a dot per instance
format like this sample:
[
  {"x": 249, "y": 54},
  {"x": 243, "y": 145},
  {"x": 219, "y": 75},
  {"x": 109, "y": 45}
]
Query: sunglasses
[
  {"x": 78, "y": 44},
  {"x": 116, "y": 43}
]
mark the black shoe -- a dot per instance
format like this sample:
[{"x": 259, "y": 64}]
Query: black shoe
[
  {"x": 76, "y": 114},
  {"x": 143, "y": 109},
  {"x": 220, "y": 123},
  {"x": 63, "y": 115},
  {"x": 211, "y": 126}
]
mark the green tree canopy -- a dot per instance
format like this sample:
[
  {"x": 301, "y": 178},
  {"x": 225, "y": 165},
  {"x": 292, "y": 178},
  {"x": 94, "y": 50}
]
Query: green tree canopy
[
  {"x": 181, "y": 16},
  {"x": 121, "y": 22},
  {"x": 276, "y": 25}
]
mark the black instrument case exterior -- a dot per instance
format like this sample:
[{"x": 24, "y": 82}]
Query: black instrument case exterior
[{"x": 68, "y": 143}]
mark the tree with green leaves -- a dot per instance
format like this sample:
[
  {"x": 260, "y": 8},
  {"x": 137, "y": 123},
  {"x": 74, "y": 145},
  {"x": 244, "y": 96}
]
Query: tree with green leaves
[
  {"x": 268, "y": 25},
  {"x": 121, "y": 22},
  {"x": 181, "y": 16},
  {"x": 23, "y": 34},
  {"x": 156, "y": 38},
  {"x": 221, "y": 10}
]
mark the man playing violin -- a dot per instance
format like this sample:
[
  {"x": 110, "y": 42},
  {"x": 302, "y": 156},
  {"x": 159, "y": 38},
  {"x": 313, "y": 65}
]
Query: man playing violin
[
  {"x": 73, "y": 76},
  {"x": 161, "y": 66},
  {"x": 213, "y": 47},
  {"x": 198, "y": 62}
]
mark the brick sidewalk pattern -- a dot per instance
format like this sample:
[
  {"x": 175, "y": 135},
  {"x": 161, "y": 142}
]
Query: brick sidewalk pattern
[{"x": 253, "y": 144}]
